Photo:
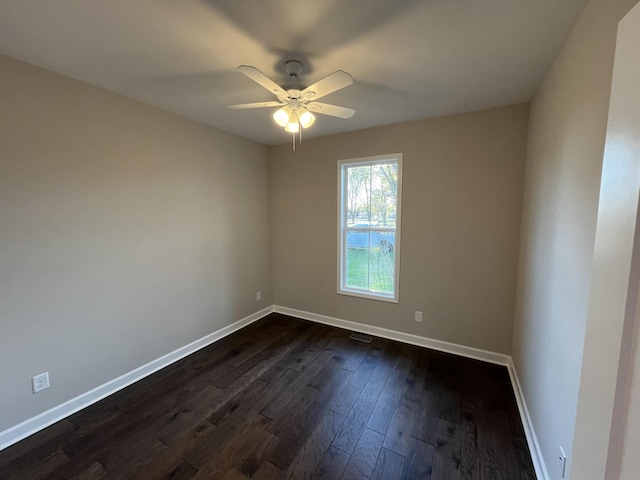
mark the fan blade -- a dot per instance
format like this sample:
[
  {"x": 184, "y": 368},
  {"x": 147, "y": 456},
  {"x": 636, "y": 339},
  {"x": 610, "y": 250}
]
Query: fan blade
[
  {"x": 255, "y": 105},
  {"x": 327, "y": 85},
  {"x": 261, "y": 79},
  {"x": 333, "y": 110}
]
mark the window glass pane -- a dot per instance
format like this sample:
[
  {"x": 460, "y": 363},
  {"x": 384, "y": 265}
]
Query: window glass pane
[
  {"x": 381, "y": 265},
  {"x": 369, "y": 216},
  {"x": 357, "y": 260},
  {"x": 384, "y": 184},
  {"x": 358, "y": 196}
]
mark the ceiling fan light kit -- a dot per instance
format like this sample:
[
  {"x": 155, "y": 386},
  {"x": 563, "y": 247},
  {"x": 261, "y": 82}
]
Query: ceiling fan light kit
[
  {"x": 290, "y": 119},
  {"x": 306, "y": 118},
  {"x": 296, "y": 105},
  {"x": 293, "y": 127},
  {"x": 282, "y": 116}
]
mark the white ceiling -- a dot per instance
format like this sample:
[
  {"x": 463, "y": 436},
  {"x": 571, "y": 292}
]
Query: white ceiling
[{"x": 410, "y": 59}]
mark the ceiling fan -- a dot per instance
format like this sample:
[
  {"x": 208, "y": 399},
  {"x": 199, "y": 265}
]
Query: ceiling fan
[{"x": 297, "y": 102}]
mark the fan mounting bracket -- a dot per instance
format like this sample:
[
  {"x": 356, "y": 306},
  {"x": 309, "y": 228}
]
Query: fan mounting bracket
[{"x": 293, "y": 67}]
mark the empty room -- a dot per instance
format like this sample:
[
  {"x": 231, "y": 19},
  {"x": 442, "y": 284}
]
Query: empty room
[{"x": 366, "y": 239}]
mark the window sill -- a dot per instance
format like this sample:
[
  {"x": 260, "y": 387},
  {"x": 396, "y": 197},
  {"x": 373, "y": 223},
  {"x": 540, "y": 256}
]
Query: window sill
[{"x": 368, "y": 296}]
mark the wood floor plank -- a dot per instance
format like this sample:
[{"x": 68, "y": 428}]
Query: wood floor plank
[
  {"x": 327, "y": 372},
  {"x": 522, "y": 456},
  {"x": 497, "y": 451},
  {"x": 242, "y": 456},
  {"x": 282, "y": 402},
  {"x": 317, "y": 443},
  {"x": 201, "y": 437},
  {"x": 415, "y": 381},
  {"x": 358, "y": 416},
  {"x": 419, "y": 461},
  {"x": 248, "y": 395},
  {"x": 90, "y": 419},
  {"x": 343, "y": 403},
  {"x": 400, "y": 428},
  {"x": 301, "y": 424},
  {"x": 210, "y": 358},
  {"x": 271, "y": 354},
  {"x": 355, "y": 354},
  {"x": 390, "y": 395},
  {"x": 41, "y": 469},
  {"x": 203, "y": 378},
  {"x": 388, "y": 359},
  {"x": 275, "y": 372},
  {"x": 135, "y": 453},
  {"x": 140, "y": 421},
  {"x": 147, "y": 388},
  {"x": 257, "y": 344},
  {"x": 365, "y": 456},
  {"x": 268, "y": 471},
  {"x": 469, "y": 465},
  {"x": 494, "y": 440},
  {"x": 245, "y": 417},
  {"x": 332, "y": 464},
  {"x": 95, "y": 471},
  {"x": 389, "y": 466},
  {"x": 167, "y": 468},
  {"x": 294, "y": 418},
  {"x": 316, "y": 341},
  {"x": 329, "y": 391},
  {"x": 317, "y": 389},
  {"x": 447, "y": 459},
  {"x": 491, "y": 462},
  {"x": 279, "y": 380},
  {"x": 134, "y": 438},
  {"x": 197, "y": 451},
  {"x": 36, "y": 446},
  {"x": 185, "y": 416},
  {"x": 270, "y": 358},
  {"x": 247, "y": 406},
  {"x": 426, "y": 422},
  {"x": 445, "y": 380}
]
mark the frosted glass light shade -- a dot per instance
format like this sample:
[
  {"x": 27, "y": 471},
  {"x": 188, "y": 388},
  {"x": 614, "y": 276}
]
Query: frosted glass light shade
[
  {"x": 282, "y": 116},
  {"x": 293, "y": 126},
  {"x": 306, "y": 119}
]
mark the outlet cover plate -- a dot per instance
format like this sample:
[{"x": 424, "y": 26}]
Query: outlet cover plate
[{"x": 40, "y": 382}]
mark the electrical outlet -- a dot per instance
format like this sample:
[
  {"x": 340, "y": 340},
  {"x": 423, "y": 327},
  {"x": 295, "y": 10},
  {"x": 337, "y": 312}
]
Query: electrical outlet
[
  {"x": 418, "y": 316},
  {"x": 258, "y": 296},
  {"x": 562, "y": 462},
  {"x": 40, "y": 382}
]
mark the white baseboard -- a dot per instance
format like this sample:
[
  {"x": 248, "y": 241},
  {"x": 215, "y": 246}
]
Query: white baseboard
[
  {"x": 470, "y": 352},
  {"x": 32, "y": 425},
  {"x": 532, "y": 440},
  {"x": 447, "y": 347}
]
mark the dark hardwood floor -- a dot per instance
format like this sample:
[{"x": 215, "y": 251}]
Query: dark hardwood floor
[{"x": 288, "y": 398}]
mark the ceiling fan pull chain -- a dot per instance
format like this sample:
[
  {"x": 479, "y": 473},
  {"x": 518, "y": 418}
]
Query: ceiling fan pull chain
[{"x": 293, "y": 135}]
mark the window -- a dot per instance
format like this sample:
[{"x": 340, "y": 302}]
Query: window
[{"x": 369, "y": 226}]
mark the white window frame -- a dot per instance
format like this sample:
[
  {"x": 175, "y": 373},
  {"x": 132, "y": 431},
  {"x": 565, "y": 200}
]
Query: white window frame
[{"x": 343, "y": 289}]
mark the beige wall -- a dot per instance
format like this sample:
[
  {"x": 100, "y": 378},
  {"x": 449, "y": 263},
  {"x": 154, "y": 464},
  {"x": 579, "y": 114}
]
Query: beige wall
[
  {"x": 125, "y": 233},
  {"x": 462, "y": 187},
  {"x": 564, "y": 160}
]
